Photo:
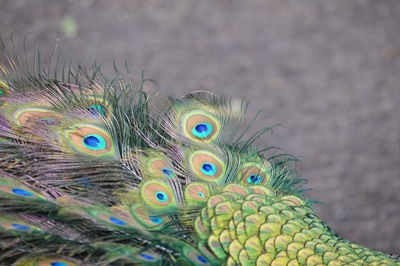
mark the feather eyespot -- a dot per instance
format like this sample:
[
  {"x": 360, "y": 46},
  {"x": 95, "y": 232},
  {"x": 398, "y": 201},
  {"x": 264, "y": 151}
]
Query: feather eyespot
[
  {"x": 157, "y": 165},
  {"x": 18, "y": 226},
  {"x": 157, "y": 194},
  {"x": 22, "y": 192},
  {"x": 97, "y": 106},
  {"x": 111, "y": 219},
  {"x": 254, "y": 179},
  {"x": 156, "y": 219},
  {"x": 117, "y": 221},
  {"x": 9, "y": 187},
  {"x": 197, "y": 193},
  {"x": 94, "y": 142},
  {"x": 21, "y": 227},
  {"x": 33, "y": 116},
  {"x": 97, "y": 110},
  {"x": 195, "y": 257},
  {"x": 255, "y": 173},
  {"x": 199, "y": 125},
  {"x": 202, "y": 130},
  {"x": 90, "y": 140},
  {"x": 208, "y": 169},
  {"x": 201, "y": 259},
  {"x": 167, "y": 172},
  {"x": 161, "y": 196},
  {"x": 147, "y": 257},
  {"x": 207, "y": 165},
  {"x": 152, "y": 222}
]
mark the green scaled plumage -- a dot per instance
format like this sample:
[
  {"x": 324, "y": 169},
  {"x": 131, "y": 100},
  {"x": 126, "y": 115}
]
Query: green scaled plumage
[{"x": 90, "y": 175}]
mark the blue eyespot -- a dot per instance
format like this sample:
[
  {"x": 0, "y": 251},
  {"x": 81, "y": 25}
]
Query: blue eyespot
[
  {"x": 147, "y": 257},
  {"x": 21, "y": 227},
  {"x": 58, "y": 263},
  {"x": 156, "y": 219},
  {"x": 208, "y": 169},
  {"x": 22, "y": 192},
  {"x": 202, "y": 130},
  {"x": 167, "y": 172},
  {"x": 201, "y": 194},
  {"x": 117, "y": 221},
  {"x": 94, "y": 142},
  {"x": 96, "y": 110},
  {"x": 161, "y": 196},
  {"x": 202, "y": 259},
  {"x": 254, "y": 179}
]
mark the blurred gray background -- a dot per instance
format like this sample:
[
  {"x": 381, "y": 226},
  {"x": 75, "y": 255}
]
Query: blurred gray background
[{"x": 329, "y": 71}]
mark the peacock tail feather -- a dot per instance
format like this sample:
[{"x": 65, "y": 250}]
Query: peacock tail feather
[{"x": 92, "y": 175}]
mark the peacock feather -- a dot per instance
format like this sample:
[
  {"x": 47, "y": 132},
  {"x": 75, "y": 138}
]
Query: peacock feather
[{"x": 91, "y": 175}]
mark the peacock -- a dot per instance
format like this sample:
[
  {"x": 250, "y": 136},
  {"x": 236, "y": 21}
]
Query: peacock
[{"x": 92, "y": 172}]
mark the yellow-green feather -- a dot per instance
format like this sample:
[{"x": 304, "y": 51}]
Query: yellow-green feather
[{"x": 258, "y": 231}]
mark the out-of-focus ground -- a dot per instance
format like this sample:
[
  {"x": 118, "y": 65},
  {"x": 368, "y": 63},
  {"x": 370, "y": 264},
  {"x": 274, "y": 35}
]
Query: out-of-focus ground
[{"x": 329, "y": 71}]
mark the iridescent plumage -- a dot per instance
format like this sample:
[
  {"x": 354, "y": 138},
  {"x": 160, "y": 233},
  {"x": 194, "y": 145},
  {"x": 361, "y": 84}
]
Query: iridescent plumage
[{"x": 91, "y": 176}]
